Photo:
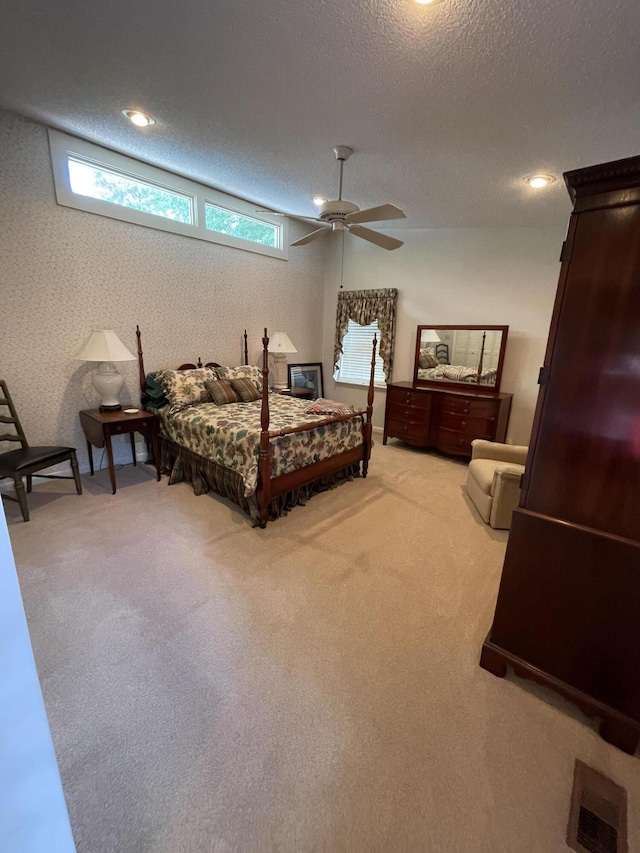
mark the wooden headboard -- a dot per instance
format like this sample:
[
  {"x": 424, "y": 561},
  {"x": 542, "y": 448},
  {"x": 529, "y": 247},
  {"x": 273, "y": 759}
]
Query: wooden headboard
[{"x": 186, "y": 366}]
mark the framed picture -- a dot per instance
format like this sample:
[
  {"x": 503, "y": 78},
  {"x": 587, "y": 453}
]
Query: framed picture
[{"x": 305, "y": 380}]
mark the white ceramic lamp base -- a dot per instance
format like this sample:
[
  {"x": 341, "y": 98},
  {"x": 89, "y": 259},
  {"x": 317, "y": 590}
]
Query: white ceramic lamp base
[
  {"x": 108, "y": 383},
  {"x": 279, "y": 371}
]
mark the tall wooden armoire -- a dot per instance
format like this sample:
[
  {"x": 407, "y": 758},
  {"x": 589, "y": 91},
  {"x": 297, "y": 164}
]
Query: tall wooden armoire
[{"x": 568, "y": 609}]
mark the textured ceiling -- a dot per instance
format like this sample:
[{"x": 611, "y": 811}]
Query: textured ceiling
[{"x": 447, "y": 107}]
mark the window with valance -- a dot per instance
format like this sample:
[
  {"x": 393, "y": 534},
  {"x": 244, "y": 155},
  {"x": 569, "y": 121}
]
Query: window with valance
[{"x": 366, "y": 308}]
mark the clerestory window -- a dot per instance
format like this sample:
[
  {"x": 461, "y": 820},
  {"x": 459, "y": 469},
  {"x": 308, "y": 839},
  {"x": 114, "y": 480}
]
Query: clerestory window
[{"x": 97, "y": 180}]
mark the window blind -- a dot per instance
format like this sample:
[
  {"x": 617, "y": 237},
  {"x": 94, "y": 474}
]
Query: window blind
[{"x": 355, "y": 362}]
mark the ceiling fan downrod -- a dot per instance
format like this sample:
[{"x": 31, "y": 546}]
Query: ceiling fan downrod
[{"x": 342, "y": 152}]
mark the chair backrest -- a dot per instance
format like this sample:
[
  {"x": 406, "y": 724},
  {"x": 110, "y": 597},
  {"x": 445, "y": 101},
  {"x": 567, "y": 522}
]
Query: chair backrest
[
  {"x": 12, "y": 418},
  {"x": 442, "y": 353}
]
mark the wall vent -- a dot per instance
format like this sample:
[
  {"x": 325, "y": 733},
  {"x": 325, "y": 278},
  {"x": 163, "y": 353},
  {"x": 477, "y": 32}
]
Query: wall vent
[{"x": 598, "y": 814}]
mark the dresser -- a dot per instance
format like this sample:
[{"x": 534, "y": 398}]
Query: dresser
[{"x": 443, "y": 418}]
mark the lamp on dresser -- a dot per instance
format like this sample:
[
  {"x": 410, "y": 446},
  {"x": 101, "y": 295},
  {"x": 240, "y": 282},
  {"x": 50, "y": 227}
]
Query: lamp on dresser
[
  {"x": 279, "y": 347},
  {"x": 105, "y": 347}
]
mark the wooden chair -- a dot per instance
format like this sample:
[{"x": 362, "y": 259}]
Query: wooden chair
[{"x": 16, "y": 464}]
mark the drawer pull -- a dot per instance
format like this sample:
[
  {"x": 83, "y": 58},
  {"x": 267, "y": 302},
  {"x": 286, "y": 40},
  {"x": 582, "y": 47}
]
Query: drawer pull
[
  {"x": 119, "y": 429},
  {"x": 144, "y": 423},
  {"x": 464, "y": 423}
]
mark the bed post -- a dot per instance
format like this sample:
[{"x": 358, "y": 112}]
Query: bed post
[
  {"x": 264, "y": 460},
  {"x": 368, "y": 426},
  {"x": 479, "y": 377},
  {"x": 141, "y": 373},
  {"x": 246, "y": 351}
]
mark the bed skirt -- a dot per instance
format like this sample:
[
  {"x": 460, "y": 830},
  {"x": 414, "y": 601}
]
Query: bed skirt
[{"x": 205, "y": 475}]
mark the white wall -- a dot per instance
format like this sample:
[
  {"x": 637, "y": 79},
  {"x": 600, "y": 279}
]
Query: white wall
[
  {"x": 502, "y": 276},
  {"x": 33, "y": 813},
  {"x": 65, "y": 272}
]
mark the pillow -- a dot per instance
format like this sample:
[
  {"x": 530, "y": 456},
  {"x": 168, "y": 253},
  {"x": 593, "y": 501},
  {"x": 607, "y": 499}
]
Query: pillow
[
  {"x": 251, "y": 371},
  {"x": 183, "y": 388},
  {"x": 221, "y": 391},
  {"x": 246, "y": 388},
  {"x": 427, "y": 358},
  {"x": 321, "y": 406},
  {"x": 154, "y": 396}
]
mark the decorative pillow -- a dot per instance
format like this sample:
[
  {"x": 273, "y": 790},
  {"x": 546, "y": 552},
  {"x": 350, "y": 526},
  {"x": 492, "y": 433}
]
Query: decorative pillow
[
  {"x": 154, "y": 397},
  {"x": 221, "y": 391},
  {"x": 251, "y": 371},
  {"x": 183, "y": 388},
  {"x": 322, "y": 406},
  {"x": 248, "y": 389},
  {"x": 427, "y": 358}
]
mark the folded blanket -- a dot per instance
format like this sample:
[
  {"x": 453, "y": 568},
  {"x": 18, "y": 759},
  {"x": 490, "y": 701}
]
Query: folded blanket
[{"x": 321, "y": 406}]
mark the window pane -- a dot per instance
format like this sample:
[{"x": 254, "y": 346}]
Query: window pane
[
  {"x": 355, "y": 363},
  {"x": 245, "y": 227},
  {"x": 106, "y": 185}
]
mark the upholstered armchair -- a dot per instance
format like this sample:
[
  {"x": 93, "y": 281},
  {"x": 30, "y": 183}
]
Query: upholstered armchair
[{"x": 493, "y": 480}]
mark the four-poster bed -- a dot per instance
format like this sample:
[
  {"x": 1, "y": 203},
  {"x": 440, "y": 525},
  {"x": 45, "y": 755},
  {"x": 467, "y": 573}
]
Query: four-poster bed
[{"x": 267, "y": 453}]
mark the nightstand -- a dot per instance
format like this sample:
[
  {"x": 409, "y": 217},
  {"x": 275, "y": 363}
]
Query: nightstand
[{"x": 99, "y": 427}]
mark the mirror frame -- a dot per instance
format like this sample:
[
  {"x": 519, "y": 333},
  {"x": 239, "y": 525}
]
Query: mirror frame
[{"x": 458, "y": 386}]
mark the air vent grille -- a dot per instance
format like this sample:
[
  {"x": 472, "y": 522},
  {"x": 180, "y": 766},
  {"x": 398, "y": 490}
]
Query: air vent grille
[
  {"x": 595, "y": 834},
  {"x": 598, "y": 815}
]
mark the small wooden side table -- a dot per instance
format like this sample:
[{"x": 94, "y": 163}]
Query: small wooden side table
[{"x": 100, "y": 426}]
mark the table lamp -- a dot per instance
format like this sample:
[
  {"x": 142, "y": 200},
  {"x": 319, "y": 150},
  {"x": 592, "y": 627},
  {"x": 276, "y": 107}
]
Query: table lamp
[
  {"x": 106, "y": 347},
  {"x": 429, "y": 336},
  {"x": 279, "y": 346}
]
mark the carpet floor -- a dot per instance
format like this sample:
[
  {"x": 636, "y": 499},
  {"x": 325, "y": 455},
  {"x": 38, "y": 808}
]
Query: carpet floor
[{"x": 306, "y": 688}]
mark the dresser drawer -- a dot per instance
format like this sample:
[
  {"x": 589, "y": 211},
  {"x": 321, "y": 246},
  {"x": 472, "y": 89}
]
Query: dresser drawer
[
  {"x": 457, "y": 404},
  {"x": 402, "y": 412},
  {"x": 475, "y": 427},
  {"x": 410, "y": 431},
  {"x": 408, "y": 397}
]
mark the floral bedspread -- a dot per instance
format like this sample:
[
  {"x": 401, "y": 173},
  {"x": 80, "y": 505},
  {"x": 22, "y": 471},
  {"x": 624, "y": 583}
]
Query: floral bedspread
[
  {"x": 458, "y": 374},
  {"x": 230, "y": 435}
]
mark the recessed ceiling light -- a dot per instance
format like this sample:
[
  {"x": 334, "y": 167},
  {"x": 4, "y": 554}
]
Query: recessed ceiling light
[
  {"x": 319, "y": 200},
  {"x": 138, "y": 118},
  {"x": 539, "y": 181},
  {"x": 427, "y": 2}
]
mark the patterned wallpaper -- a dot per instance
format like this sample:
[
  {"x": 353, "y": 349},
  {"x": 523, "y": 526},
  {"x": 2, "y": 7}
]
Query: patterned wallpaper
[{"x": 65, "y": 272}]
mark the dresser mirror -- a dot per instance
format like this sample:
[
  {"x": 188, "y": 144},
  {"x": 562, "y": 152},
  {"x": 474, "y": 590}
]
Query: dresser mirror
[{"x": 460, "y": 356}]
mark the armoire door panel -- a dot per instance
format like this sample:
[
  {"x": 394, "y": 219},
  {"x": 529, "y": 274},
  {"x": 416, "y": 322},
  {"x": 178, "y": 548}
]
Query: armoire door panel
[{"x": 587, "y": 453}]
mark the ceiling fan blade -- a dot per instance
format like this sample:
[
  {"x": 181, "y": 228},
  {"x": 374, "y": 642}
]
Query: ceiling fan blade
[
  {"x": 376, "y": 237},
  {"x": 376, "y": 214},
  {"x": 309, "y": 237}
]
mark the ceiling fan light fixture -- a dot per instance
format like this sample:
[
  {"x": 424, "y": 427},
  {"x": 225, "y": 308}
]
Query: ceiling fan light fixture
[
  {"x": 319, "y": 200},
  {"x": 138, "y": 118},
  {"x": 537, "y": 182}
]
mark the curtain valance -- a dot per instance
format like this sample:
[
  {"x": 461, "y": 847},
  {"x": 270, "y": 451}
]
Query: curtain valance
[{"x": 364, "y": 307}]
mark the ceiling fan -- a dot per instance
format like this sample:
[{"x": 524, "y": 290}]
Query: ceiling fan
[{"x": 343, "y": 216}]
